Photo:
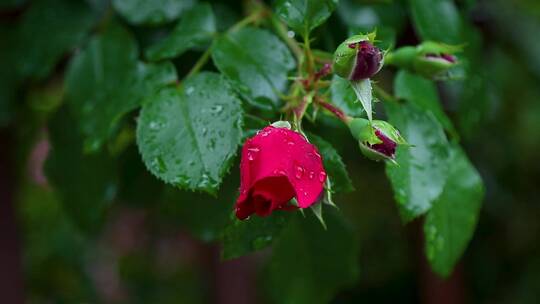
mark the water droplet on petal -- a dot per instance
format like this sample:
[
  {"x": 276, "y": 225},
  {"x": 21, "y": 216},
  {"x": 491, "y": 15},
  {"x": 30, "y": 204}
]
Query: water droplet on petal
[
  {"x": 311, "y": 175},
  {"x": 322, "y": 176},
  {"x": 299, "y": 172}
]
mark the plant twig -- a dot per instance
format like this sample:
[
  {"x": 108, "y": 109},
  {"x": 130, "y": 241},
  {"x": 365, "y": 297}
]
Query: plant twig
[
  {"x": 240, "y": 24},
  {"x": 200, "y": 63},
  {"x": 339, "y": 113},
  {"x": 281, "y": 31}
]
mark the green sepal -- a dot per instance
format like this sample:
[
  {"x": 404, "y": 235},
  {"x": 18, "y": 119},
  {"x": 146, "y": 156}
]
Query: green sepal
[
  {"x": 344, "y": 56},
  {"x": 416, "y": 59},
  {"x": 364, "y": 131}
]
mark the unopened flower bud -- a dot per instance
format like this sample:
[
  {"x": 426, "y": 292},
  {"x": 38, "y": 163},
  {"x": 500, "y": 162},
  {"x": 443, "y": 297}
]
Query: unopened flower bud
[
  {"x": 429, "y": 59},
  {"x": 357, "y": 58},
  {"x": 378, "y": 139}
]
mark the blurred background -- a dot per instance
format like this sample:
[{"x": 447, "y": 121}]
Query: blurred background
[{"x": 156, "y": 244}]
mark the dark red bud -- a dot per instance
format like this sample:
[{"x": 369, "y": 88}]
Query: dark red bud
[
  {"x": 447, "y": 57},
  {"x": 387, "y": 147},
  {"x": 368, "y": 61}
]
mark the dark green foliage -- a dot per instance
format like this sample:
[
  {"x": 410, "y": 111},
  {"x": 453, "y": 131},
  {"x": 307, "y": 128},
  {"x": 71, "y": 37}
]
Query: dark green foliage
[
  {"x": 256, "y": 62},
  {"x": 187, "y": 136},
  {"x": 145, "y": 105}
]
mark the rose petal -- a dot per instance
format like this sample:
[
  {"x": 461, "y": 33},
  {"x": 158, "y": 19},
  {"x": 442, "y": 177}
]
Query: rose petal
[{"x": 278, "y": 164}]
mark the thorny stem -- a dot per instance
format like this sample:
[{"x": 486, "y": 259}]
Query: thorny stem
[{"x": 333, "y": 109}]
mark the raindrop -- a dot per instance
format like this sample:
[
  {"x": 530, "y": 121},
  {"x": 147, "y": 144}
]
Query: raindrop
[
  {"x": 153, "y": 125},
  {"x": 205, "y": 181},
  {"x": 217, "y": 109},
  {"x": 189, "y": 90},
  {"x": 299, "y": 172},
  {"x": 204, "y": 131},
  {"x": 311, "y": 175},
  {"x": 290, "y": 34},
  {"x": 280, "y": 172},
  {"x": 322, "y": 176}
]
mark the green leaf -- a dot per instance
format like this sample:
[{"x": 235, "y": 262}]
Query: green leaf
[
  {"x": 48, "y": 30},
  {"x": 256, "y": 62},
  {"x": 364, "y": 94},
  {"x": 366, "y": 16},
  {"x": 423, "y": 93},
  {"x": 85, "y": 183},
  {"x": 344, "y": 97},
  {"x": 195, "y": 29},
  {"x": 187, "y": 137},
  {"x": 204, "y": 216},
  {"x": 305, "y": 15},
  {"x": 450, "y": 223},
  {"x": 243, "y": 237},
  {"x": 333, "y": 164},
  {"x": 151, "y": 12},
  {"x": 105, "y": 81},
  {"x": 436, "y": 20},
  {"x": 421, "y": 171},
  {"x": 310, "y": 264}
]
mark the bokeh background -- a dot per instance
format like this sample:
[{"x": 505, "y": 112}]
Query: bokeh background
[{"x": 158, "y": 244}]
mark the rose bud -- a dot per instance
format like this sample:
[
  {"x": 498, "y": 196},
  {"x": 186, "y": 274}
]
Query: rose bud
[
  {"x": 429, "y": 59},
  {"x": 357, "y": 58},
  {"x": 378, "y": 139},
  {"x": 278, "y": 164}
]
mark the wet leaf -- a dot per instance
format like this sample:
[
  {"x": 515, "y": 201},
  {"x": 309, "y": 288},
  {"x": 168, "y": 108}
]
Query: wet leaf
[
  {"x": 305, "y": 15},
  {"x": 450, "y": 223},
  {"x": 421, "y": 171},
  {"x": 188, "y": 136},
  {"x": 151, "y": 12},
  {"x": 256, "y": 62},
  {"x": 436, "y": 20},
  {"x": 48, "y": 30},
  {"x": 106, "y": 81},
  {"x": 195, "y": 29},
  {"x": 333, "y": 164},
  {"x": 244, "y": 237},
  {"x": 423, "y": 93}
]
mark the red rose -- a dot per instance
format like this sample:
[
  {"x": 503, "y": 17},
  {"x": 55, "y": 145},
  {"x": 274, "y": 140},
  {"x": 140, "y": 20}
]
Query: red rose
[{"x": 278, "y": 164}]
